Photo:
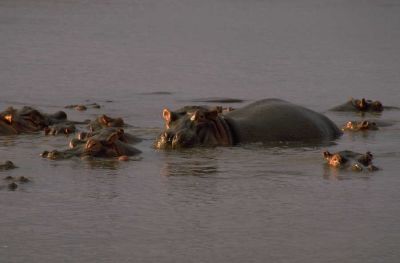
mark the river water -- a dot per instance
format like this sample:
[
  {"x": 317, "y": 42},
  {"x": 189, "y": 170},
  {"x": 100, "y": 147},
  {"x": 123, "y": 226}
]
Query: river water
[{"x": 250, "y": 203}]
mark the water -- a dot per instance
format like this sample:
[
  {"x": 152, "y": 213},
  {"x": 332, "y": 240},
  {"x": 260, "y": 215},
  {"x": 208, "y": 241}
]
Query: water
[{"x": 251, "y": 203}]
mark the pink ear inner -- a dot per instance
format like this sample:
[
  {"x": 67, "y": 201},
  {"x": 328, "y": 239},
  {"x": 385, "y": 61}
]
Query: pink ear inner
[{"x": 167, "y": 116}]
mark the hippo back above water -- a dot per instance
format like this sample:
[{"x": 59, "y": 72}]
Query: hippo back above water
[
  {"x": 279, "y": 120},
  {"x": 268, "y": 120}
]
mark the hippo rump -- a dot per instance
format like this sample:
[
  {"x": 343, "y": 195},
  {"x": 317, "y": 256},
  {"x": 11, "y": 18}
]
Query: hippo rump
[{"x": 268, "y": 120}]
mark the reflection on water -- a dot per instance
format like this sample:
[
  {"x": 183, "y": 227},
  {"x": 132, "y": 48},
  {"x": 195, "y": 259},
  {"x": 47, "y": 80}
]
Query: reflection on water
[
  {"x": 191, "y": 162},
  {"x": 336, "y": 174}
]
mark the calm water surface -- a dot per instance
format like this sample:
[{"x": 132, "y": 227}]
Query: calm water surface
[{"x": 251, "y": 203}]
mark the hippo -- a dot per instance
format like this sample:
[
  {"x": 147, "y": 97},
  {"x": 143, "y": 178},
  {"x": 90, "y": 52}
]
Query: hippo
[
  {"x": 83, "y": 107},
  {"x": 60, "y": 128},
  {"x": 268, "y": 120},
  {"x": 360, "y": 126},
  {"x": 361, "y": 105},
  {"x": 350, "y": 160},
  {"x": 7, "y": 165},
  {"x": 107, "y": 143},
  {"x": 104, "y": 121},
  {"x": 13, "y": 182},
  {"x": 122, "y": 135},
  {"x": 27, "y": 120}
]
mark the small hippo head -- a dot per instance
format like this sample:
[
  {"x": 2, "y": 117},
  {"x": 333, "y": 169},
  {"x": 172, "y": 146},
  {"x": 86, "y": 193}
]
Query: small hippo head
[
  {"x": 368, "y": 105},
  {"x": 193, "y": 126},
  {"x": 348, "y": 159},
  {"x": 360, "y": 126},
  {"x": 105, "y": 121}
]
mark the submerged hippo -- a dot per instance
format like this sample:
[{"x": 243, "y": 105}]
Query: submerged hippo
[
  {"x": 7, "y": 165},
  {"x": 27, "y": 119},
  {"x": 266, "y": 120},
  {"x": 360, "y": 126},
  {"x": 363, "y": 105},
  {"x": 83, "y": 107},
  {"x": 107, "y": 143},
  {"x": 105, "y": 121},
  {"x": 13, "y": 182},
  {"x": 60, "y": 128},
  {"x": 105, "y": 132},
  {"x": 350, "y": 160}
]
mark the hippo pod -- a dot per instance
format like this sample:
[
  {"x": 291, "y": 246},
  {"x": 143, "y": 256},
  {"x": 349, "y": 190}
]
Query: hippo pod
[
  {"x": 107, "y": 143},
  {"x": 350, "y": 160},
  {"x": 27, "y": 119},
  {"x": 269, "y": 120},
  {"x": 363, "y": 105}
]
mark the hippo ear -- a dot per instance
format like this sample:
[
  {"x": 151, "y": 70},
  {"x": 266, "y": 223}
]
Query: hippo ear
[
  {"x": 363, "y": 103},
  {"x": 364, "y": 124},
  {"x": 166, "y": 113},
  {"x": 168, "y": 116},
  {"x": 327, "y": 154},
  {"x": 104, "y": 119}
]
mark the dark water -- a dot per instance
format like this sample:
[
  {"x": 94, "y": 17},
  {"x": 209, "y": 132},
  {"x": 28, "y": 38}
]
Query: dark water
[{"x": 242, "y": 204}]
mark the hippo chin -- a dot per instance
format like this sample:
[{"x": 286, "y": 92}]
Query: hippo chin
[
  {"x": 350, "y": 160},
  {"x": 269, "y": 120}
]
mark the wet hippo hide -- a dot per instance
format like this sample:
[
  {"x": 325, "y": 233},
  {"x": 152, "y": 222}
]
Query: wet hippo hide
[{"x": 279, "y": 120}]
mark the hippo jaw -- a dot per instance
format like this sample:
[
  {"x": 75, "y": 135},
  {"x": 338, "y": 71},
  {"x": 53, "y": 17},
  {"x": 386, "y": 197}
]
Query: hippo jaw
[{"x": 193, "y": 126}]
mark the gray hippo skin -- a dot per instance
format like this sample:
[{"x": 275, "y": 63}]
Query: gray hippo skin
[
  {"x": 350, "y": 160},
  {"x": 268, "y": 120}
]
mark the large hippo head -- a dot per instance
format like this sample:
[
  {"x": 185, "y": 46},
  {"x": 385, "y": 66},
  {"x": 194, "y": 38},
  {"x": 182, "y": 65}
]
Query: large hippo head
[
  {"x": 194, "y": 126},
  {"x": 28, "y": 119}
]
